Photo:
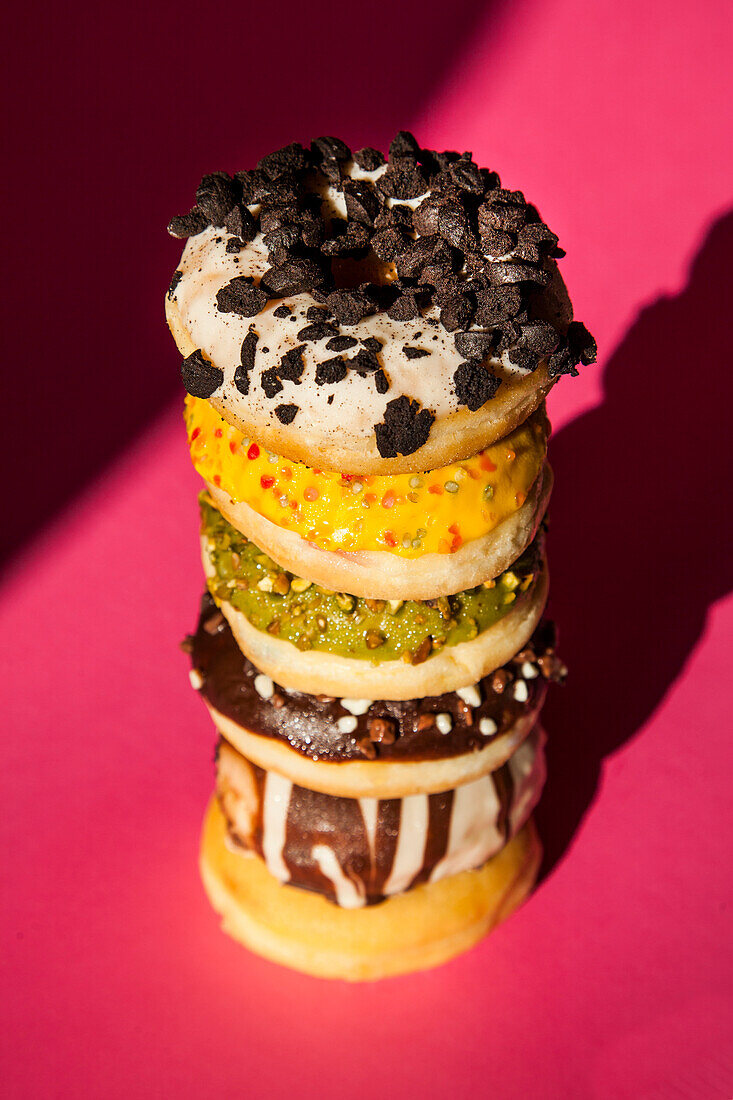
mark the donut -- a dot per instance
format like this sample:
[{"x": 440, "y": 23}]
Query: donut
[
  {"x": 316, "y": 641},
  {"x": 369, "y": 748},
  {"x": 401, "y": 537},
  {"x": 370, "y": 316},
  {"x": 422, "y": 928},
  {"x": 360, "y": 851}
]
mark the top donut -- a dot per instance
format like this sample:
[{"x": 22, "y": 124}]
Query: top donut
[{"x": 369, "y": 315}]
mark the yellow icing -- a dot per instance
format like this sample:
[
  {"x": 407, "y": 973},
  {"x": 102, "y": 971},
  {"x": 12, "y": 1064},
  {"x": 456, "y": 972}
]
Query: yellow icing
[{"x": 407, "y": 514}]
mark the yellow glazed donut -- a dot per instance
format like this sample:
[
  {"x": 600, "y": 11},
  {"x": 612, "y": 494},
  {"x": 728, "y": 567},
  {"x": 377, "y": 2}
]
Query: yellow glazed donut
[{"x": 407, "y": 536}]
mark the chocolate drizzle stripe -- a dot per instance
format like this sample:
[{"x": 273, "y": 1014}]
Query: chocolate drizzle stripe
[{"x": 358, "y": 851}]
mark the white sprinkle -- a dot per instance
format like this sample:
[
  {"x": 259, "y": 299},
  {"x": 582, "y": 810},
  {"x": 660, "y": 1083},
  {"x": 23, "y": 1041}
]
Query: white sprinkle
[
  {"x": 395, "y": 605},
  {"x": 347, "y": 725},
  {"x": 528, "y": 670},
  {"x": 415, "y": 482},
  {"x": 265, "y": 585},
  {"x": 197, "y": 680},
  {"x": 487, "y": 726},
  {"x": 521, "y": 694},
  {"x": 357, "y": 706},
  {"x": 470, "y": 695},
  {"x": 357, "y": 487},
  {"x": 264, "y": 686},
  {"x": 444, "y": 722},
  {"x": 272, "y": 458}
]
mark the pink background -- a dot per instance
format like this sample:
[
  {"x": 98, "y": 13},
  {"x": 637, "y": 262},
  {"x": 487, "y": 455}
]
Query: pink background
[{"x": 616, "y": 980}]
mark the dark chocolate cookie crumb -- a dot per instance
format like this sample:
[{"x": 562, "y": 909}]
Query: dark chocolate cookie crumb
[
  {"x": 414, "y": 353},
  {"x": 290, "y": 367},
  {"x": 341, "y": 343},
  {"x": 247, "y": 362},
  {"x": 177, "y": 276},
  {"x": 474, "y": 346},
  {"x": 319, "y": 330},
  {"x": 241, "y": 296},
  {"x": 405, "y": 429},
  {"x": 474, "y": 385},
  {"x": 200, "y": 377},
  {"x": 369, "y": 159},
  {"x": 286, "y": 413},
  {"x": 188, "y": 225},
  {"x": 473, "y": 250},
  {"x": 215, "y": 196},
  {"x": 296, "y": 276},
  {"x": 330, "y": 370},
  {"x": 349, "y": 306},
  {"x": 381, "y": 381},
  {"x": 282, "y": 311}
]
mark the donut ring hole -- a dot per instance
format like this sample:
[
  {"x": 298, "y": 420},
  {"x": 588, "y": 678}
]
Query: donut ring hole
[{"x": 348, "y": 271}]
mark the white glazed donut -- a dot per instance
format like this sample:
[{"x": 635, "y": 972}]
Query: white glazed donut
[{"x": 370, "y": 319}]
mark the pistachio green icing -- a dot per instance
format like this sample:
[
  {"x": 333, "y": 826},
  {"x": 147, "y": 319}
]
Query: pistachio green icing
[{"x": 334, "y": 622}]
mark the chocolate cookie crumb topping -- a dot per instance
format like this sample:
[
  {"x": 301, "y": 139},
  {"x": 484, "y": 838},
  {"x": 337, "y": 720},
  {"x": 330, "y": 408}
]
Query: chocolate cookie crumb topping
[
  {"x": 241, "y": 296},
  {"x": 477, "y": 254},
  {"x": 330, "y": 370},
  {"x": 174, "y": 283},
  {"x": 200, "y": 377},
  {"x": 405, "y": 429},
  {"x": 247, "y": 362},
  {"x": 474, "y": 385},
  {"x": 286, "y": 413}
]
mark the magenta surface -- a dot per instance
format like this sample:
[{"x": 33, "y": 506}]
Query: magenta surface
[{"x": 616, "y": 980}]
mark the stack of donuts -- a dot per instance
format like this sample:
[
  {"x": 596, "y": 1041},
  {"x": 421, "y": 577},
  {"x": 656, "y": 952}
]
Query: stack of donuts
[{"x": 367, "y": 346}]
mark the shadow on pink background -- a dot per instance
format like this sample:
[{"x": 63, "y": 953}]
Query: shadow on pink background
[{"x": 616, "y": 980}]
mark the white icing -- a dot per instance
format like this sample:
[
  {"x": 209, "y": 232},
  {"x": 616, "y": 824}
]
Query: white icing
[
  {"x": 356, "y": 706},
  {"x": 470, "y": 695},
  {"x": 411, "y": 840},
  {"x": 349, "y": 894},
  {"x": 473, "y": 834},
  {"x": 275, "y": 803}
]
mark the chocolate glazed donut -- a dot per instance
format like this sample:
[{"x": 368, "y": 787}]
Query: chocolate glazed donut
[
  {"x": 361, "y": 851},
  {"x": 323, "y": 729}
]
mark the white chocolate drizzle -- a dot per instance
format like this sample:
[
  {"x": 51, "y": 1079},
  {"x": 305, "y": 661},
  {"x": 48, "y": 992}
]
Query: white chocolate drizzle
[
  {"x": 275, "y": 802},
  {"x": 411, "y": 840},
  {"x": 349, "y": 894}
]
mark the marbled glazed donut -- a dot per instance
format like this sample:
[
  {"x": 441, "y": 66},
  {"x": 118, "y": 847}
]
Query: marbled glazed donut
[
  {"x": 412, "y": 931},
  {"x": 370, "y": 317},
  {"x": 361, "y": 851},
  {"x": 370, "y": 748}
]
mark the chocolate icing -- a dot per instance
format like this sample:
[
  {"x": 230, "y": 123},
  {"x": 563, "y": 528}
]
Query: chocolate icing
[{"x": 308, "y": 723}]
